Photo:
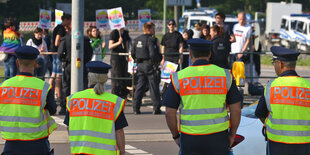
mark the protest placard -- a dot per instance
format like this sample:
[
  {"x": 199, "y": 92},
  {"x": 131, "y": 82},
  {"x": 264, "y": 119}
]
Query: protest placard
[
  {"x": 45, "y": 19},
  {"x": 132, "y": 66},
  {"x": 116, "y": 18},
  {"x": 102, "y": 18},
  {"x": 143, "y": 17},
  {"x": 58, "y": 15},
  {"x": 167, "y": 69}
]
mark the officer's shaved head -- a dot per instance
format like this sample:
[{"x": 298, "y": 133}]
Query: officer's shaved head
[
  {"x": 25, "y": 63},
  {"x": 199, "y": 53}
]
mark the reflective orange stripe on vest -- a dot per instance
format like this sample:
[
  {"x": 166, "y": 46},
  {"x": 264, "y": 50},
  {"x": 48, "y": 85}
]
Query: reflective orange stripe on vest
[
  {"x": 92, "y": 107},
  {"x": 203, "y": 85},
  {"x": 20, "y": 95},
  {"x": 290, "y": 96}
]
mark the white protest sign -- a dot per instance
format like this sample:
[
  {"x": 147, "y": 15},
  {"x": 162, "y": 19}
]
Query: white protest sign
[
  {"x": 116, "y": 18},
  {"x": 58, "y": 15},
  {"x": 45, "y": 19},
  {"x": 143, "y": 17},
  {"x": 102, "y": 18}
]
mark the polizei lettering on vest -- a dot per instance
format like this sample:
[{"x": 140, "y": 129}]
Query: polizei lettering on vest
[
  {"x": 203, "y": 82},
  {"x": 20, "y": 95},
  {"x": 24, "y": 93},
  {"x": 203, "y": 85},
  {"x": 291, "y": 95},
  {"x": 95, "y": 105}
]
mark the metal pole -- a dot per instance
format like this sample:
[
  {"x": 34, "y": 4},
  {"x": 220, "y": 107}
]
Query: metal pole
[
  {"x": 183, "y": 9},
  {"x": 77, "y": 46},
  {"x": 176, "y": 16},
  {"x": 251, "y": 57},
  {"x": 165, "y": 17}
]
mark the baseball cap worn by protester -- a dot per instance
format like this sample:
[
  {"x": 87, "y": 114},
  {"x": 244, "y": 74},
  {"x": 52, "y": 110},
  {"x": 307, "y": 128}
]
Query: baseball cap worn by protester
[{"x": 171, "y": 21}]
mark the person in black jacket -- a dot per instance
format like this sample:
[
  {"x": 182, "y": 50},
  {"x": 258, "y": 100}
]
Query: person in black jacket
[
  {"x": 64, "y": 54},
  {"x": 145, "y": 52},
  {"x": 220, "y": 47}
]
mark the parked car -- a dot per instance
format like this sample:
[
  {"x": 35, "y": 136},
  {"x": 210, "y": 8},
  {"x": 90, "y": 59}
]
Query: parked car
[{"x": 251, "y": 128}]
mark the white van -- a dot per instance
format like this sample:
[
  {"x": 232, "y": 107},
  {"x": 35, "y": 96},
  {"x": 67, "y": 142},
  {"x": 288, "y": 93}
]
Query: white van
[
  {"x": 287, "y": 31},
  {"x": 302, "y": 33},
  {"x": 207, "y": 19}
]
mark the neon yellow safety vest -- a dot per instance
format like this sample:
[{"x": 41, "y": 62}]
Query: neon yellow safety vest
[
  {"x": 203, "y": 92},
  {"x": 22, "y": 112},
  {"x": 288, "y": 103},
  {"x": 92, "y": 122}
]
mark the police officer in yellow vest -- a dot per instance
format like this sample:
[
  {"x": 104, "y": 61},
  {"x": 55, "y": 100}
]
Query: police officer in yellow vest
[
  {"x": 95, "y": 118},
  {"x": 285, "y": 107},
  {"x": 202, "y": 93},
  {"x": 26, "y": 104}
]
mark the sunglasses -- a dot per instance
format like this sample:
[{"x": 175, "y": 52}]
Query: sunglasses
[
  {"x": 171, "y": 24},
  {"x": 274, "y": 61}
]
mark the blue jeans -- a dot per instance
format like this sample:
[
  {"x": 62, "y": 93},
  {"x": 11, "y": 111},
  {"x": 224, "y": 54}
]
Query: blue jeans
[
  {"x": 40, "y": 71},
  {"x": 10, "y": 68},
  {"x": 57, "y": 68}
]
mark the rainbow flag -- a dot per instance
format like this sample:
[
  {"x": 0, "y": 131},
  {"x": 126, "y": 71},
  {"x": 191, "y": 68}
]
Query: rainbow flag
[{"x": 11, "y": 41}]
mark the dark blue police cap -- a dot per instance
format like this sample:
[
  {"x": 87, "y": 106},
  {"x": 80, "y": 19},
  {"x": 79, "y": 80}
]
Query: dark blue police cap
[
  {"x": 199, "y": 44},
  {"x": 284, "y": 54},
  {"x": 27, "y": 52},
  {"x": 98, "y": 67}
]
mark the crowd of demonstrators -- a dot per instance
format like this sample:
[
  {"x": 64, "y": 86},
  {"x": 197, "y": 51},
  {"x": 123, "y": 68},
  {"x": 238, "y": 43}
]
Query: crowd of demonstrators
[
  {"x": 97, "y": 44},
  {"x": 39, "y": 43},
  {"x": 145, "y": 52},
  {"x": 220, "y": 48},
  {"x": 11, "y": 42},
  {"x": 172, "y": 42},
  {"x": 205, "y": 32},
  {"x": 56, "y": 77},
  {"x": 118, "y": 43}
]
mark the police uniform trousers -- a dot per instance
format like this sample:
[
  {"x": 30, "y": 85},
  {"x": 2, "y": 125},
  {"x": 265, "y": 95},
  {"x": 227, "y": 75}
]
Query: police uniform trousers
[
  {"x": 66, "y": 83},
  {"x": 147, "y": 75},
  {"x": 212, "y": 144},
  {"x": 37, "y": 147},
  {"x": 274, "y": 148},
  {"x": 119, "y": 70}
]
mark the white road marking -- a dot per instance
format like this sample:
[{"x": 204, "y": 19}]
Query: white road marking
[{"x": 133, "y": 150}]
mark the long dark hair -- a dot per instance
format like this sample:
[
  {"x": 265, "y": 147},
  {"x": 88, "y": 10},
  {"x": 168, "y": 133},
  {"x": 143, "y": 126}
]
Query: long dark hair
[
  {"x": 219, "y": 30},
  {"x": 208, "y": 37}
]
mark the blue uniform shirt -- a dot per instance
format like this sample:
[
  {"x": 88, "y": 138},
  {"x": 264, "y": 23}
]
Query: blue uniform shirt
[
  {"x": 261, "y": 110},
  {"x": 172, "y": 99}
]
